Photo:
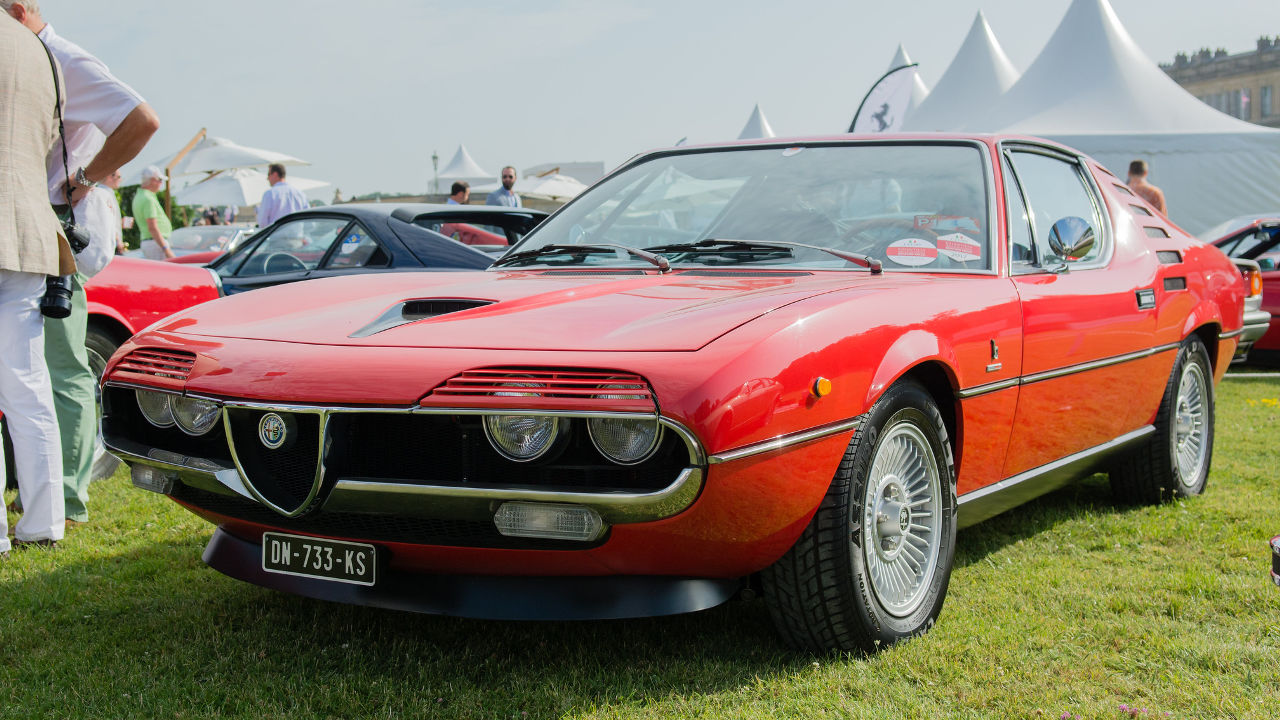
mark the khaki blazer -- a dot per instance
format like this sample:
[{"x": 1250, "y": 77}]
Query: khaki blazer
[{"x": 28, "y": 228}]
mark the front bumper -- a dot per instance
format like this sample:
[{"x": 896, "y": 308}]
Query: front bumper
[
  {"x": 486, "y": 597},
  {"x": 1256, "y": 324}
]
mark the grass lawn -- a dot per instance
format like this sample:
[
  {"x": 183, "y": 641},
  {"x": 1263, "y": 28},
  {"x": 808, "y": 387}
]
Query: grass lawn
[{"x": 1067, "y": 604}]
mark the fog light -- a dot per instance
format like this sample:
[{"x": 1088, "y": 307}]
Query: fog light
[
  {"x": 523, "y": 437},
  {"x": 548, "y": 520},
  {"x": 195, "y": 416},
  {"x": 149, "y": 478},
  {"x": 155, "y": 407}
]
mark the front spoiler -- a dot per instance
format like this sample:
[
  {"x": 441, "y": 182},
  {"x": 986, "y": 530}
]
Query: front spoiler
[{"x": 485, "y": 597}]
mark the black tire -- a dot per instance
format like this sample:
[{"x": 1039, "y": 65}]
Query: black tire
[
  {"x": 829, "y": 592},
  {"x": 1174, "y": 462},
  {"x": 100, "y": 346}
]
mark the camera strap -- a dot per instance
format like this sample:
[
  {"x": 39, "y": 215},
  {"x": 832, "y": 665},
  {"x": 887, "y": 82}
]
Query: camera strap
[{"x": 62, "y": 131}]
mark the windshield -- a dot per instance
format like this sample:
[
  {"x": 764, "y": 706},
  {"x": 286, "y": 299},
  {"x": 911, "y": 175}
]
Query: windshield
[{"x": 916, "y": 207}]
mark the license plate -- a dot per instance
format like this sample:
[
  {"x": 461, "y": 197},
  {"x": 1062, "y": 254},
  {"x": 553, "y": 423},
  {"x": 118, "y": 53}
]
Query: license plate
[{"x": 311, "y": 557}]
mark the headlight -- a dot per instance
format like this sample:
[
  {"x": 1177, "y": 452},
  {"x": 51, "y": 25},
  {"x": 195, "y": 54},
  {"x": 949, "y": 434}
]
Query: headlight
[
  {"x": 625, "y": 442},
  {"x": 194, "y": 416},
  {"x": 523, "y": 437},
  {"x": 155, "y": 407}
]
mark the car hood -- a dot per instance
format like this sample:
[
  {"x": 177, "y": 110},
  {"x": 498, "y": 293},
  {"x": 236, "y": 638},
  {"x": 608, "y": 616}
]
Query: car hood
[{"x": 515, "y": 310}]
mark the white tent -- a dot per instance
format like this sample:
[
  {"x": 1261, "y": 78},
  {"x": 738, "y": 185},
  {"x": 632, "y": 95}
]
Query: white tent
[
  {"x": 757, "y": 126},
  {"x": 241, "y": 187},
  {"x": 1094, "y": 89},
  {"x": 462, "y": 167},
  {"x": 919, "y": 91},
  {"x": 978, "y": 75}
]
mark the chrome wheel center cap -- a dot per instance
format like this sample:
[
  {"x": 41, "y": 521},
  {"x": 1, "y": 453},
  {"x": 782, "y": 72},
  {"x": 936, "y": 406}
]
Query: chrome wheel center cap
[{"x": 892, "y": 518}]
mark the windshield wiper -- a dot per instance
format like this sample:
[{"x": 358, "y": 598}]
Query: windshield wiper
[
  {"x": 660, "y": 262},
  {"x": 859, "y": 259}
]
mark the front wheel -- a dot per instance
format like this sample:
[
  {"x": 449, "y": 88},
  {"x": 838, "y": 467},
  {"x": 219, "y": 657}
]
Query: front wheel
[
  {"x": 1174, "y": 461},
  {"x": 873, "y": 565}
]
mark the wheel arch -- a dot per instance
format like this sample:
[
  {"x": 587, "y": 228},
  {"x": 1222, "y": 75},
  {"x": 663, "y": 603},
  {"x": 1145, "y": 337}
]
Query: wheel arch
[
  {"x": 938, "y": 379},
  {"x": 111, "y": 325}
]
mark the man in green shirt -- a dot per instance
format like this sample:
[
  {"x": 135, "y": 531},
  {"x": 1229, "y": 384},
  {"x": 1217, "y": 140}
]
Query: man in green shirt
[{"x": 153, "y": 224}]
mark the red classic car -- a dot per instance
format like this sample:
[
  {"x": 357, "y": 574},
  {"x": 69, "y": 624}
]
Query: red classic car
[
  {"x": 799, "y": 363},
  {"x": 1258, "y": 241}
]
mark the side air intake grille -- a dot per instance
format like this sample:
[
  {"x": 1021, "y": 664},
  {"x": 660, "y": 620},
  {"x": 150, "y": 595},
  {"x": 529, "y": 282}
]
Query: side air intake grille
[
  {"x": 545, "y": 389},
  {"x": 151, "y": 364}
]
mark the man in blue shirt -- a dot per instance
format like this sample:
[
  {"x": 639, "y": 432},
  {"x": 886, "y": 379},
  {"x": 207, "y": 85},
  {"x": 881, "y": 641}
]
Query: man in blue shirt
[
  {"x": 504, "y": 195},
  {"x": 280, "y": 199}
]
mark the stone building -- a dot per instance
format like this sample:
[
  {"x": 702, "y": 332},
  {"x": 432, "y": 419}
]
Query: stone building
[{"x": 1243, "y": 85}]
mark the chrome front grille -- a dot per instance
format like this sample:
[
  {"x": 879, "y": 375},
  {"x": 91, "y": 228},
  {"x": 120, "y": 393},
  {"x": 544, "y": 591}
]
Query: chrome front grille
[{"x": 287, "y": 477}]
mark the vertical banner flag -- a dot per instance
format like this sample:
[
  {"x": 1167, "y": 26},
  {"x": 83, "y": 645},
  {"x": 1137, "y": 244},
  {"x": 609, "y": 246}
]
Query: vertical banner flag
[{"x": 884, "y": 107}]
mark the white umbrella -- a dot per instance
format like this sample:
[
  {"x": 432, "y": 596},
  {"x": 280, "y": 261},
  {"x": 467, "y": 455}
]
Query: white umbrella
[
  {"x": 241, "y": 187},
  {"x": 212, "y": 154},
  {"x": 553, "y": 187}
]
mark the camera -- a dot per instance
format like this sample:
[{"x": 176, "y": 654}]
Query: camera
[
  {"x": 56, "y": 302},
  {"x": 77, "y": 237}
]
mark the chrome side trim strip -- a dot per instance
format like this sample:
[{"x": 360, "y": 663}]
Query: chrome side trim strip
[
  {"x": 359, "y": 495},
  {"x": 988, "y": 388},
  {"x": 783, "y": 441},
  {"x": 1064, "y": 371},
  {"x": 1095, "y": 364},
  {"x": 1034, "y": 473}
]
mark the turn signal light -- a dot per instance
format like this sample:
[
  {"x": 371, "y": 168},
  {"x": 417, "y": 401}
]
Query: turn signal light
[
  {"x": 1253, "y": 281},
  {"x": 548, "y": 521},
  {"x": 149, "y": 478}
]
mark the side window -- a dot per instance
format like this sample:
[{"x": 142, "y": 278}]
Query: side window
[
  {"x": 293, "y": 247},
  {"x": 1020, "y": 248},
  {"x": 357, "y": 249},
  {"x": 1056, "y": 190}
]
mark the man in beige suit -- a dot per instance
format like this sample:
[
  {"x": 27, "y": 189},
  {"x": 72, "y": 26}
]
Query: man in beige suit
[{"x": 28, "y": 254}]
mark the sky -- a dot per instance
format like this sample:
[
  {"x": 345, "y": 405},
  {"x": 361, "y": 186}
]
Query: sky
[{"x": 366, "y": 91}]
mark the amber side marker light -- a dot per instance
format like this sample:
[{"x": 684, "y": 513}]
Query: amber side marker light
[
  {"x": 821, "y": 387},
  {"x": 1253, "y": 281}
]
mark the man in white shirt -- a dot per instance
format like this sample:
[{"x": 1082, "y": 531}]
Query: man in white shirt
[
  {"x": 460, "y": 193},
  {"x": 280, "y": 199},
  {"x": 106, "y": 125}
]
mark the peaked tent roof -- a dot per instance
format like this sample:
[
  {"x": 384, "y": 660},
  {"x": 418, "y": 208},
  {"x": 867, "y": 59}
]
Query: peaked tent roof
[
  {"x": 978, "y": 75},
  {"x": 462, "y": 167},
  {"x": 757, "y": 126},
  {"x": 1092, "y": 78},
  {"x": 1092, "y": 88},
  {"x": 919, "y": 91}
]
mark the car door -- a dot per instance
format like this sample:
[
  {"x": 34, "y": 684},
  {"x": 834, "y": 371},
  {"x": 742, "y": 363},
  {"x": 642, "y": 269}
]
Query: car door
[
  {"x": 1086, "y": 327},
  {"x": 288, "y": 252}
]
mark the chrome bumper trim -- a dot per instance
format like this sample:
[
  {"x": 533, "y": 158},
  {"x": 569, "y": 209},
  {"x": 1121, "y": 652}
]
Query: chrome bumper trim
[
  {"x": 784, "y": 441},
  {"x": 471, "y": 502}
]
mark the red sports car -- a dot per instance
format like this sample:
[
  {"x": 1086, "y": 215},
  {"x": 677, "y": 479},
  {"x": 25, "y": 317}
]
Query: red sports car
[
  {"x": 1259, "y": 241},
  {"x": 803, "y": 363}
]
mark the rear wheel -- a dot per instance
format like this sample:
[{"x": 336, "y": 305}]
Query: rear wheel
[
  {"x": 1174, "y": 462},
  {"x": 873, "y": 565}
]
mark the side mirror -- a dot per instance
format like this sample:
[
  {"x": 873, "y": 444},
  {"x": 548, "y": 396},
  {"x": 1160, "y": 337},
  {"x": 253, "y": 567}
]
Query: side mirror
[{"x": 1071, "y": 238}]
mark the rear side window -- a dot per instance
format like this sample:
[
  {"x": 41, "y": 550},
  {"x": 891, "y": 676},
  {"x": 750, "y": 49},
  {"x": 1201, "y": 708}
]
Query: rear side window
[
  {"x": 357, "y": 248},
  {"x": 1056, "y": 189}
]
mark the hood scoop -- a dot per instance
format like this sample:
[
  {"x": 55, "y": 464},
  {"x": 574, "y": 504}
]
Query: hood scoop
[{"x": 414, "y": 310}]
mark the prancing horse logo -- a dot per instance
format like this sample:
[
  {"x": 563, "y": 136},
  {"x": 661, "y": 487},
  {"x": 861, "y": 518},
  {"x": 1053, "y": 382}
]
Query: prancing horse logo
[{"x": 272, "y": 431}]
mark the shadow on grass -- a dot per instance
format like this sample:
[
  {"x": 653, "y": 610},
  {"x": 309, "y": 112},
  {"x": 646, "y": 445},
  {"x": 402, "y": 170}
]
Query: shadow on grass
[
  {"x": 1082, "y": 497},
  {"x": 156, "y": 617}
]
